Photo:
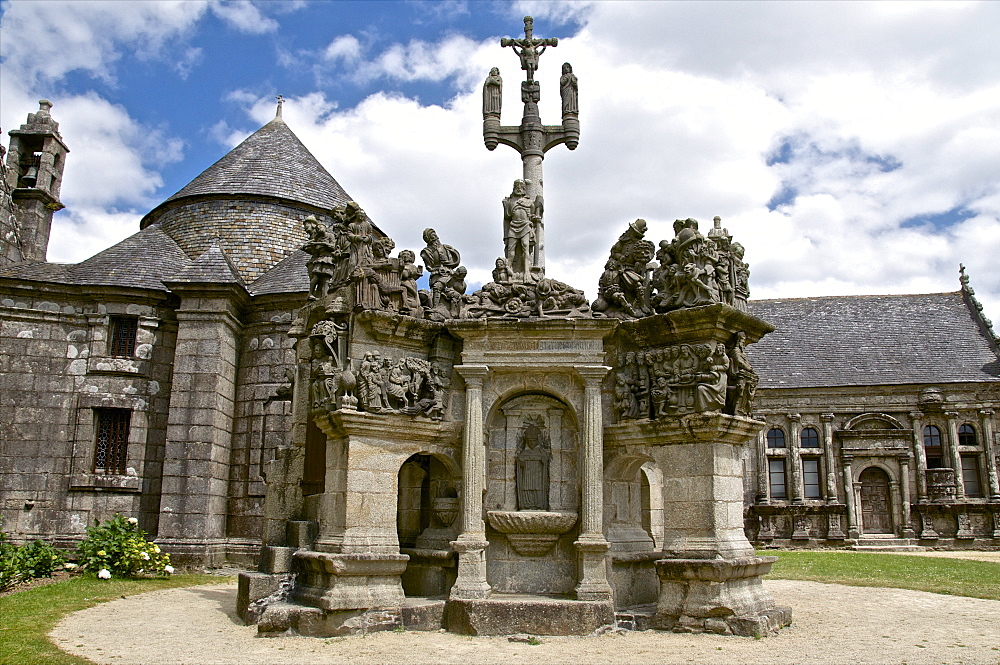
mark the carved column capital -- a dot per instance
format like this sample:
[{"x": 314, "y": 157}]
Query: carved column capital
[
  {"x": 473, "y": 374},
  {"x": 951, "y": 415},
  {"x": 794, "y": 417},
  {"x": 826, "y": 417},
  {"x": 591, "y": 374},
  {"x": 986, "y": 413},
  {"x": 916, "y": 416}
]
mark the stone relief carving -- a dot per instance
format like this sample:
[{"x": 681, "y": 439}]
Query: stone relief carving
[
  {"x": 408, "y": 385},
  {"x": 532, "y": 468},
  {"x": 689, "y": 271},
  {"x": 684, "y": 378}
]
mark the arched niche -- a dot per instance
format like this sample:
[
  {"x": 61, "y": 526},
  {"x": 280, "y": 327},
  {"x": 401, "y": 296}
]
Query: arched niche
[
  {"x": 427, "y": 520},
  {"x": 525, "y": 562},
  {"x": 633, "y": 503},
  {"x": 872, "y": 421}
]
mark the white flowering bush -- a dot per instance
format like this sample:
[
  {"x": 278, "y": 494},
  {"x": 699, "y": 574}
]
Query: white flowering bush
[{"x": 119, "y": 548}]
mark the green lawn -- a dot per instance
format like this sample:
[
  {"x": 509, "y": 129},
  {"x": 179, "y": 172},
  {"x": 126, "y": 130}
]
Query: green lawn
[
  {"x": 28, "y": 616},
  {"x": 958, "y": 577}
]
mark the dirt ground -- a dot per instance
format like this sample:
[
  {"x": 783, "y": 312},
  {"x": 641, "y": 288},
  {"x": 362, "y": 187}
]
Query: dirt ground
[{"x": 833, "y": 624}]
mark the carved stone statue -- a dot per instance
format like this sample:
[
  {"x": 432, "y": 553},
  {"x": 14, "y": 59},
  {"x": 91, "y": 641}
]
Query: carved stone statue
[
  {"x": 409, "y": 272},
  {"x": 519, "y": 219},
  {"x": 492, "y": 93},
  {"x": 743, "y": 379},
  {"x": 441, "y": 262},
  {"x": 529, "y": 49},
  {"x": 568, "y": 90},
  {"x": 623, "y": 290},
  {"x": 532, "y": 472},
  {"x": 321, "y": 247}
]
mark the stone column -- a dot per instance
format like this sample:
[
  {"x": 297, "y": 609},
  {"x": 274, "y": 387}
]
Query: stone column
[
  {"x": 852, "y": 517},
  {"x": 794, "y": 460},
  {"x": 831, "y": 471},
  {"x": 956, "y": 459},
  {"x": 763, "y": 484},
  {"x": 896, "y": 497},
  {"x": 904, "y": 481},
  {"x": 919, "y": 455},
  {"x": 196, "y": 466},
  {"x": 591, "y": 544},
  {"x": 471, "y": 543},
  {"x": 986, "y": 421}
]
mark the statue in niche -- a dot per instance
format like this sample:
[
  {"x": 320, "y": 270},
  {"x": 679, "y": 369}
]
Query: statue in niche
[
  {"x": 321, "y": 247},
  {"x": 520, "y": 215},
  {"x": 532, "y": 472},
  {"x": 492, "y": 93},
  {"x": 568, "y": 90}
]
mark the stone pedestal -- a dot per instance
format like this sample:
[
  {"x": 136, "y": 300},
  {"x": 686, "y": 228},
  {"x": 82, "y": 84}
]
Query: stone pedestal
[
  {"x": 719, "y": 596},
  {"x": 349, "y": 581}
]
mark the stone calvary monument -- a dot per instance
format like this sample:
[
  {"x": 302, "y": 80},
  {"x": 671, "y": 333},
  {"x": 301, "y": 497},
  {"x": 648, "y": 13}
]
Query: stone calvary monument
[{"x": 515, "y": 459}]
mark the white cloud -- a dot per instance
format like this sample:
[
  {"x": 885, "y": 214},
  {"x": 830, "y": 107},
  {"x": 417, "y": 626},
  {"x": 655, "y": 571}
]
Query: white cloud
[
  {"x": 61, "y": 36},
  {"x": 343, "y": 48},
  {"x": 244, "y": 16}
]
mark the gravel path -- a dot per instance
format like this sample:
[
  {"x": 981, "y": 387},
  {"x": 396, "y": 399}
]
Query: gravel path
[{"x": 833, "y": 624}]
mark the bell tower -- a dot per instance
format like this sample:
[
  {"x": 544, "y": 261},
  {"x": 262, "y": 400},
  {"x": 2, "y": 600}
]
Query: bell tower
[{"x": 32, "y": 180}]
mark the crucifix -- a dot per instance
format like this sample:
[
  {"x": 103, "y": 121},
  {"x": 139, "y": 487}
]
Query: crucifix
[{"x": 532, "y": 140}]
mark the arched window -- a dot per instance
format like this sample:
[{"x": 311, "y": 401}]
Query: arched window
[
  {"x": 932, "y": 447},
  {"x": 775, "y": 438},
  {"x": 809, "y": 438},
  {"x": 966, "y": 435}
]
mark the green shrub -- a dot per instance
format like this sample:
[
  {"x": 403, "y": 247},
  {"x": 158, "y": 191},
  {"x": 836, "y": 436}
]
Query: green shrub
[
  {"x": 119, "y": 548},
  {"x": 25, "y": 563}
]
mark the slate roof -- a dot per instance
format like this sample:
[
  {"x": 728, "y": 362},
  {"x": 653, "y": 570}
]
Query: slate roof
[
  {"x": 871, "y": 340},
  {"x": 140, "y": 261},
  {"x": 270, "y": 162},
  {"x": 290, "y": 275},
  {"x": 212, "y": 267}
]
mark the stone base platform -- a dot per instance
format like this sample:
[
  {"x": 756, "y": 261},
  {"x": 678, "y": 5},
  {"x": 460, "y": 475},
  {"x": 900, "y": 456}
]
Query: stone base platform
[
  {"x": 535, "y": 615},
  {"x": 282, "y": 619},
  {"x": 722, "y": 596}
]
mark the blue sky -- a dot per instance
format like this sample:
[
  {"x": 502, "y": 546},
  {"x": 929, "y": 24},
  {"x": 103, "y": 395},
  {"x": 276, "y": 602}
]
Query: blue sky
[{"x": 851, "y": 147}]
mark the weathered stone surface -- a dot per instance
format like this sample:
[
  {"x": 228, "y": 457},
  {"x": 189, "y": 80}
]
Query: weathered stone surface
[{"x": 520, "y": 614}]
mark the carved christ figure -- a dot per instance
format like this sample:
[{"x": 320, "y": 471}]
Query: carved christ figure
[
  {"x": 492, "y": 93},
  {"x": 529, "y": 49}
]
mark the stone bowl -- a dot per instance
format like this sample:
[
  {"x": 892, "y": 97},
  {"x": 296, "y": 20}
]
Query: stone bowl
[{"x": 536, "y": 522}]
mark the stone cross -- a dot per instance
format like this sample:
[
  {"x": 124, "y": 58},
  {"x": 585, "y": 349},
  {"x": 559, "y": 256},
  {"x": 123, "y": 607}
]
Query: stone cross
[
  {"x": 531, "y": 138},
  {"x": 281, "y": 100}
]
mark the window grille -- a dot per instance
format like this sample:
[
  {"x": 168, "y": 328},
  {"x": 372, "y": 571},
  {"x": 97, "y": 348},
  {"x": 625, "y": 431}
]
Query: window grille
[
  {"x": 810, "y": 478},
  {"x": 111, "y": 449},
  {"x": 123, "y": 331},
  {"x": 775, "y": 438},
  {"x": 809, "y": 438},
  {"x": 776, "y": 473}
]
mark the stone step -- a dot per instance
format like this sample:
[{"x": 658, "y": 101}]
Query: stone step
[
  {"x": 635, "y": 618},
  {"x": 886, "y": 543}
]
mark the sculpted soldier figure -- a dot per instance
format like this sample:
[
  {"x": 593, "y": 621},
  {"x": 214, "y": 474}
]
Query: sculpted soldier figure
[{"x": 519, "y": 217}]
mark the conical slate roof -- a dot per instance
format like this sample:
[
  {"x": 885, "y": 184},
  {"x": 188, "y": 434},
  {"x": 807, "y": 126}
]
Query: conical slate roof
[{"x": 270, "y": 162}]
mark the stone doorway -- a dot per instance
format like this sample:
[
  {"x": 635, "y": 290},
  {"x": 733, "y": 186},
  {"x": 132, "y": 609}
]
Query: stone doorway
[{"x": 875, "y": 504}]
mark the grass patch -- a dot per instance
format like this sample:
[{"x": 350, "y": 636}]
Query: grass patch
[
  {"x": 29, "y": 615},
  {"x": 956, "y": 577}
]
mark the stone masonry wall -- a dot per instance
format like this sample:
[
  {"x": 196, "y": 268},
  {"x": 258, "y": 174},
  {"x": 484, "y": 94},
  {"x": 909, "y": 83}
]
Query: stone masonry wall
[
  {"x": 54, "y": 371},
  {"x": 262, "y": 423}
]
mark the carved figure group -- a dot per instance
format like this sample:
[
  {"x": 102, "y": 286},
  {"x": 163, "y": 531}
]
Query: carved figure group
[
  {"x": 689, "y": 271},
  {"x": 408, "y": 385},
  {"x": 684, "y": 378}
]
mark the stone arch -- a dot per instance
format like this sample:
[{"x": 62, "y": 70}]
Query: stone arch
[
  {"x": 629, "y": 484},
  {"x": 519, "y": 559},
  {"x": 873, "y": 421},
  {"x": 427, "y": 520},
  {"x": 875, "y": 488}
]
